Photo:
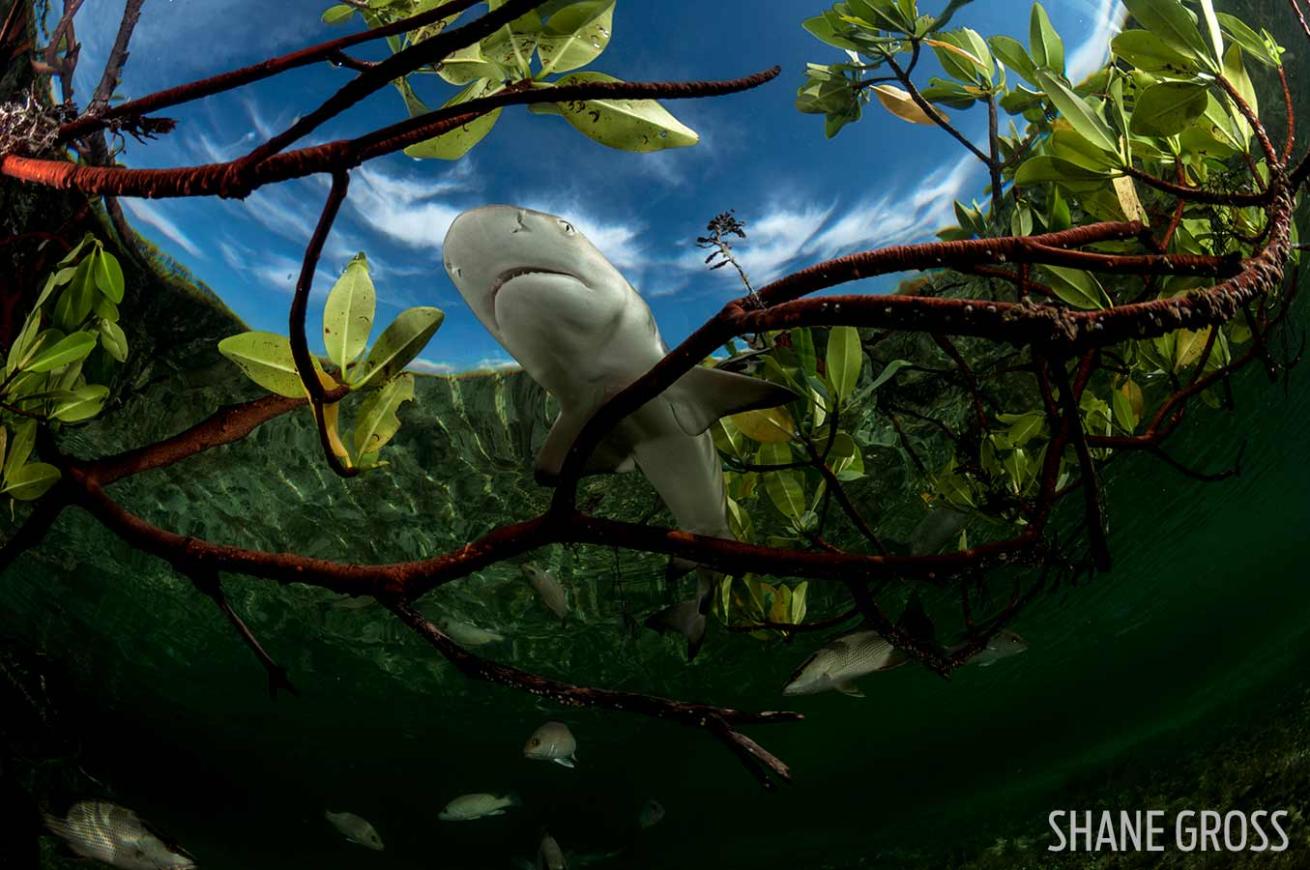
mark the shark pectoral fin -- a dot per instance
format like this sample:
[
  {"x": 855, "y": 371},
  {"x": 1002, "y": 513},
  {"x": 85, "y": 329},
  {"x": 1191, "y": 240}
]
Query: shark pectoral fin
[
  {"x": 849, "y": 690},
  {"x": 703, "y": 395},
  {"x": 563, "y": 762},
  {"x": 609, "y": 455}
]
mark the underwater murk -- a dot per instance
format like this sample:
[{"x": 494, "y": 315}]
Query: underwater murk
[{"x": 545, "y": 433}]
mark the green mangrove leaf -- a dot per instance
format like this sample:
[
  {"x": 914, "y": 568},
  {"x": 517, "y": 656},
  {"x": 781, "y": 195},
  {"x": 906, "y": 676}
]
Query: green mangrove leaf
[
  {"x": 1077, "y": 112},
  {"x": 377, "y": 422},
  {"x": 338, "y": 14},
  {"x": 575, "y": 35},
  {"x": 1167, "y": 108},
  {"x": 20, "y": 447},
  {"x": 786, "y": 488},
  {"x": 1171, "y": 21},
  {"x": 84, "y": 403},
  {"x": 1045, "y": 169},
  {"x": 1213, "y": 29},
  {"x": 454, "y": 144},
  {"x": 398, "y": 345},
  {"x": 1127, "y": 404},
  {"x": 468, "y": 65},
  {"x": 74, "y": 304},
  {"x": 628, "y": 125},
  {"x": 1252, "y": 43},
  {"x": 1150, "y": 53},
  {"x": 822, "y": 28},
  {"x": 69, "y": 349},
  {"x": 1078, "y": 288},
  {"x": 266, "y": 359},
  {"x": 25, "y": 344},
  {"x": 108, "y": 275},
  {"x": 56, "y": 280},
  {"x": 845, "y": 359},
  {"x": 1235, "y": 72},
  {"x": 1045, "y": 42},
  {"x": 348, "y": 313},
  {"x": 1012, "y": 53},
  {"x": 767, "y": 425},
  {"x": 113, "y": 340},
  {"x": 1189, "y": 344},
  {"x": 30, "y": 481}
]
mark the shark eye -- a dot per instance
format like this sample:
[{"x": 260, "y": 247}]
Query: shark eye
[
  {"x": 567, "y": 228},
  {"x": 536, "y": 741}
]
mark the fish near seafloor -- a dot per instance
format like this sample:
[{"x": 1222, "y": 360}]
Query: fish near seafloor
[
  {"x": 650, "y": 815},
  {"x": 355, "y": 829},
  {"x": 1002, "y": 645},
  {"x": 583, "y": 333},
  {"x": 466, "y": 808},
  {"x": 116, "y": 836},
  {"x": 552, "y": 742},
  {"x": 467, "y": 634},
  {"x": 549, "y": 855},
  {"x": 548, "y": 589},
  {"x": 836, "y": 665}
]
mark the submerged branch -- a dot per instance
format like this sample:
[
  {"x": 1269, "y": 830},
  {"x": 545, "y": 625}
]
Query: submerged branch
[{"x": 722, "y": 722}]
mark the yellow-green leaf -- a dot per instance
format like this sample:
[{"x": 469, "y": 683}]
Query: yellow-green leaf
[
  {"x": 845, "y": 359},
  {"x": 266, "y": 359},
  {"x": 69, "y": 349},
  {"x": 348, "y": 314},
  {"x": 31, "y": 481},
  {"x": 377, "y": 422},
  {"x": 628, "y": 125},
  {"x": 575, "y": 35},
  {"x": 399, "y": 343},
  {"x": 767, "y": 425}
]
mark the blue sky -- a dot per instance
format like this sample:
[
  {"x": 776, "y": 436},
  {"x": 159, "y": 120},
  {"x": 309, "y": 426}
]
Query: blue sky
[{"x": 803, "y": 198}]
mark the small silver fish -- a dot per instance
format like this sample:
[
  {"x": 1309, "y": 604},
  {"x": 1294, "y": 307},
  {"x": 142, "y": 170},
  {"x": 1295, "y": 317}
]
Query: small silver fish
[
  {"x": 836, "y": 665},
  {"x": 355, "y": 829},
  {"x": 683, "y": 618},
  {"x": 467, "y": 807},
  {"x": 1004, "y": 643},
  {"x": 548, "y": 589},
  {"x": 686, "y": 618},
  {"x": 552, "y": 742},
  {"x": 549, "y": 855},
  {"x": 116, "y": 836},
  {"x": 468, "y": 635},
  {"x": 651, "y": 814}
]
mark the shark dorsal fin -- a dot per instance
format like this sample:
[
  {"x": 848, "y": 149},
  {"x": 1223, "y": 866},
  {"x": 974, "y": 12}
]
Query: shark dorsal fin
[{"x": 703, "y": 395}]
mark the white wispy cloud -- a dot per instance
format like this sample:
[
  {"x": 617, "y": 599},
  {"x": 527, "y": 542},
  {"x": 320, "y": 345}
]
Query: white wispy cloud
[
  {"x": 777, "y": 238},
  {"x": 151, "y": 214},
  {"x": 1106, "y": 20},
  {"x": 494, "y": 363},
  {"x": 271, "y": 271},
  {"x": 432, "y": 367},
  {"x": 790, "y": 237},
  {"x": 402, "y": 208}
]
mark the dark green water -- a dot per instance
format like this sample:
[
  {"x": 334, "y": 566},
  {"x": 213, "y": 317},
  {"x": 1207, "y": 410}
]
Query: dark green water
[{"x": 1201, "y": 627}]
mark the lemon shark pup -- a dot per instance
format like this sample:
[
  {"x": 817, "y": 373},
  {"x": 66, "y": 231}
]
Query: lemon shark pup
[{"x": 580, "y": 330}]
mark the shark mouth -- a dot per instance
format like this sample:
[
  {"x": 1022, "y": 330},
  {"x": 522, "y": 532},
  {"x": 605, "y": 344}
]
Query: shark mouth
[{"x": 510, "y": 274}]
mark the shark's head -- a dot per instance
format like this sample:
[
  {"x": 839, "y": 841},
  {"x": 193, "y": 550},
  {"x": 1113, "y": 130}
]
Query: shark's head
[{"x": 519, "y": 269}]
